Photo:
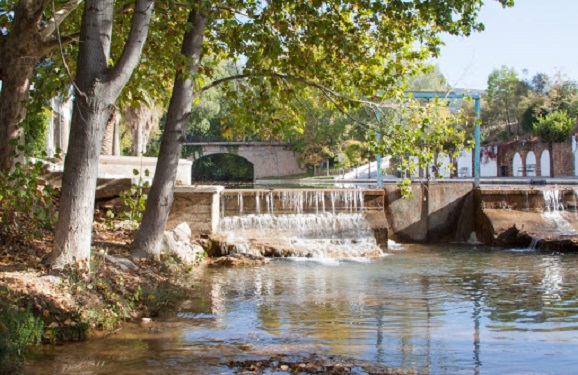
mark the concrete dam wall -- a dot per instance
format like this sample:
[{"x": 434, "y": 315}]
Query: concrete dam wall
[{"x": 438, "y": 212}]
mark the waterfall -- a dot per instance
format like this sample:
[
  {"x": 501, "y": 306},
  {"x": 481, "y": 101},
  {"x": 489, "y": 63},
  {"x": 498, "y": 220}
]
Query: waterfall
[
  {"x": 533, "y": 243},
  {"x": 312, "y": 224},
  {"x": 554, "y": 209},
  {"x": 553, "y": 199}
]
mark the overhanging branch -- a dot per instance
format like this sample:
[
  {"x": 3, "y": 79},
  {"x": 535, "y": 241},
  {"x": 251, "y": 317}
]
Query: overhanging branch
[
  {"x": 327, "y": 91},
  {"x": 64, "y": 40},
  {"x": 59, "y": 16}
]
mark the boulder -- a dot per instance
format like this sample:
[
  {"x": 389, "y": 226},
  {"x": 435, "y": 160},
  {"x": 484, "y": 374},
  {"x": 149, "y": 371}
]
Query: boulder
[{"x": 177, "y": 241}]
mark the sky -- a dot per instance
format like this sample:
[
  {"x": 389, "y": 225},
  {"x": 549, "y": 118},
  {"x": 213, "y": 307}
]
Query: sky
[{"x": 534, "y": 36}]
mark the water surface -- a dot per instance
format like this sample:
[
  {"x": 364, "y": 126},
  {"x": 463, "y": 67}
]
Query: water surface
[{"x": 435, "y": 310}]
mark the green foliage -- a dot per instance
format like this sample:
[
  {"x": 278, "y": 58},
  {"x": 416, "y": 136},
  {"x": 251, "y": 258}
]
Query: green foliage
[
  {"x": 431, "y": 79},
  {"x": 19, "y": 329},
  {"x": 162, "y": 300},
  {"x": 25, "y": 206},
  {"x": 356, "y": 153},
  {"x": 554, "y": 127},
  {"x": 35, "y": 129},
  {"x": 532, "y": 113},
  {"x": 222, "y": 167},
  {"x": 417, "y": 135},
  {"x": 134, "y": 200},
  {"x": 504, "y": 95}
]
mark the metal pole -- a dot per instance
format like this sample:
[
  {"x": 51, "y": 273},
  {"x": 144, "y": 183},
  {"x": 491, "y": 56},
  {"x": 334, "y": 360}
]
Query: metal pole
[
  {"x": 477, "y": 145},
  {"x": 378, "y": 156}
]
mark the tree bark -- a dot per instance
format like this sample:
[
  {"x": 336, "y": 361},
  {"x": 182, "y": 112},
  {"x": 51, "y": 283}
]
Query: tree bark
[
  {"x": 19, "y": 52},
  {"x": 149, "y": 237},
  {"x": 28, "y": 41},
  {"x": 97, "y": 88}
]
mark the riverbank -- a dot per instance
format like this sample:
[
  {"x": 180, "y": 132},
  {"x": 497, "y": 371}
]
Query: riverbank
[{"x": 38, "y": 306}]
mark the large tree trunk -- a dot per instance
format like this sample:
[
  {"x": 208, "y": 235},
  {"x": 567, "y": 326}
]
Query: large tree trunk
[
  {"x": 19, "y": 53},
  {"x": 97, "y": 88},
  {"x": 149, "y": 237},
  {"x": 29, "y": 39},
  {"x": 74, "y": 227}
]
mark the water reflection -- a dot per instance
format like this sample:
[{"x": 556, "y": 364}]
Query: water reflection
[{"x": 439, "y": 310}]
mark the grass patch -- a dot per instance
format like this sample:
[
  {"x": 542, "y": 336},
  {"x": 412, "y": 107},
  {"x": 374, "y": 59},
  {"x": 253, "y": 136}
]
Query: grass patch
[{"x": 19, "y": 329}]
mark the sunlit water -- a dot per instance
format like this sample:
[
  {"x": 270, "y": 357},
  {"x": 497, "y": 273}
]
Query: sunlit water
[{"x": 436, "y": 310}]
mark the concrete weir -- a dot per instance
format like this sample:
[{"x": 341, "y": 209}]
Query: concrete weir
[
  {"x": 291, "y": 214},
  {"x": 534, "y": 217},
  {"x": 544, "y": 217}
]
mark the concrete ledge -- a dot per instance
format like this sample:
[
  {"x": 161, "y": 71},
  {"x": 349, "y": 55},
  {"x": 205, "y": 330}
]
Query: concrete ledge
[{"x": 123, "y": 166}]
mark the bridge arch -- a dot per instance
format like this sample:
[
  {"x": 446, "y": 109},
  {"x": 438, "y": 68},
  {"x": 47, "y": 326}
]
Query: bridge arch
[
  {"x": 268, "y": 159},
  {"x": 222, "y": 167}
]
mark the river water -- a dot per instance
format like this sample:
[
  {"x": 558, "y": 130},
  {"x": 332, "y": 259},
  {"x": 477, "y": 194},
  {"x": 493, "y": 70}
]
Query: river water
[{"x": 431, "y": 309}]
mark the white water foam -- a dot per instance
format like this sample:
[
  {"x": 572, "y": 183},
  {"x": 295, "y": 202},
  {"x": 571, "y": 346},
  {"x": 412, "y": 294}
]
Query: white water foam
[
  {"x": 553, "y": 199},
  {"x": 325, "y": 234},
  {"x": 554, "y": 204}
]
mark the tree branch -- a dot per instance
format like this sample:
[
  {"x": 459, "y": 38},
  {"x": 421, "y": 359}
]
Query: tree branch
[
  {"x": 130, "y": 56},
  {"x": 220, "y": 81},
  {"x": 327, "y": 91},
  {"x": 64, "y": 40},
  {"x": 48, "y": 29}
]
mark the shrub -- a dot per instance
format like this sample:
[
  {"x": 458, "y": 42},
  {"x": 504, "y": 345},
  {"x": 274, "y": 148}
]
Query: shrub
[
  {"x": 26, "y": 207},
  {"x": 19, "y": 329}
]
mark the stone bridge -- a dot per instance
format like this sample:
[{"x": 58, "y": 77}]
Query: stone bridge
[{"x": 268, "y": 159}]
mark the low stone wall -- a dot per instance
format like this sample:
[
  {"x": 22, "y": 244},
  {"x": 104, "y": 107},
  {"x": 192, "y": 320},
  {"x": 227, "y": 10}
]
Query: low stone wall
[
  {"x": 123, "y": 166},
  {"x": 197, "y": 206}
]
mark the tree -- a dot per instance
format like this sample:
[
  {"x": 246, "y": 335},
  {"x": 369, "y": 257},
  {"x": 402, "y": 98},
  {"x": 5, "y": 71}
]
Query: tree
[
  {"x": 418, "y": 134},
  {"x": 430, "y": 80},
  {"x": 97, "y": 86},
  {"x": 546, "y": 97},
  {"x": 504, "y": 94},
  {"x": 28, "y": 32},
  {"x": 149, "y": 236},
  {"x": 347, "y": 50},
  {"x": 552, "y": 128}
]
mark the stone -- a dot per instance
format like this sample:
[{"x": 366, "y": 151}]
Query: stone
[
  {"x": 239, "y": 260},
  {"x": 122, "y": 263},
  {"x": 178, "y": 242}
]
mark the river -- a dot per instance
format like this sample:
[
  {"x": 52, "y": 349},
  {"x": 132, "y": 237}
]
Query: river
[{"x": 432, "y": 309}]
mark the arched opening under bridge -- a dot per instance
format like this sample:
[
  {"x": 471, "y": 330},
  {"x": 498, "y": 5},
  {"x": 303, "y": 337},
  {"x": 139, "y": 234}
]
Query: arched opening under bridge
[{"x": 229, "y": 168}]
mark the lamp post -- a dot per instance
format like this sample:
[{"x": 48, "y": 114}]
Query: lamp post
[{"x": 378, "y": 156}]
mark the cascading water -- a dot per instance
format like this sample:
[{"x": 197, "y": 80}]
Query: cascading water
[
  {"x": 553, "y": 199},
  {"x": 312, "y": 224},
  {"x": 554, "y": 208}
]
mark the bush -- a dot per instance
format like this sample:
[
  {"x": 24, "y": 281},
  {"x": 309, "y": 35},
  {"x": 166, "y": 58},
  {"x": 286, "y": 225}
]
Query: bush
[
  {"x": 554, "y": 127},
  {"x": 19, "y": 329},
  {"x": 25, "y": 206}
]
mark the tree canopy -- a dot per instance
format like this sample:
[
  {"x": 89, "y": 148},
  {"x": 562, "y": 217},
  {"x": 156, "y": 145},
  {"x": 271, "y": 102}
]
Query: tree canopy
[{"x": 348, "y": 51}]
